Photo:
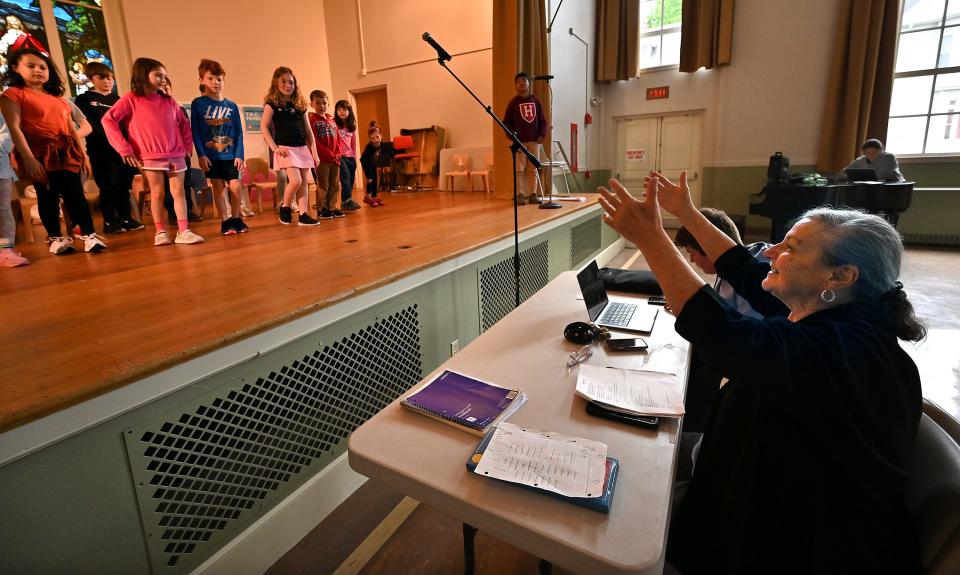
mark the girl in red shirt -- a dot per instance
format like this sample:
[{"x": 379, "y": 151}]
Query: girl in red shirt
[{"x": 47, "y": 147}]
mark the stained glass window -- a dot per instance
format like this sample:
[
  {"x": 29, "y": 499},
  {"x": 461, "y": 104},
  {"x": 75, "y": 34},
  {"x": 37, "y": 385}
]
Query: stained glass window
[
  {"x": 22, "y": 27},
  {"x": 83, "y": 38}
]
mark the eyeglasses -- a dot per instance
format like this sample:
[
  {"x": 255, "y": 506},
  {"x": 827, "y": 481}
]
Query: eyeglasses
[{"x": 580, "y": 356}]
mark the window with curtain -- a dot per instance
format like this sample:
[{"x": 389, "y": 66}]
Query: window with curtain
[
  {"x": 925, "y": 107},
  {"x": 660, "y": 33},
  {"x": 81, "y": 35}
]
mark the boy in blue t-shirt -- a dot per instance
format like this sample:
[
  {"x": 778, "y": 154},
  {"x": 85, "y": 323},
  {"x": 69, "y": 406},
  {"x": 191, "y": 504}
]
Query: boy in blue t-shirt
[{"x": 218, "y": 137}]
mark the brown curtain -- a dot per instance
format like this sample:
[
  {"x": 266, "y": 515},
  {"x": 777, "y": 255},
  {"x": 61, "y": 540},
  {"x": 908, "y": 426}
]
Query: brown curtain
[
  {"x": 861, "y": 80},
  {"x": 618, "y": 39},
  {"x": 706, "y": 36}
]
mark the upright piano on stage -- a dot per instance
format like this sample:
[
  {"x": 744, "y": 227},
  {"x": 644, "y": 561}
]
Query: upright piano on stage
[{"x": 784, "y": 203}]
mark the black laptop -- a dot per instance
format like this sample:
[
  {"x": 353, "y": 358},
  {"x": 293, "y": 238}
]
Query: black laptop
[
  {"x": 861, "y": 174},
  {"x": 613, "y": 315}
]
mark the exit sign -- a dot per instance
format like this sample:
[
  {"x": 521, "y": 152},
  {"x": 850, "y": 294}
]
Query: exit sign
[{"x": 658, "y": 93}]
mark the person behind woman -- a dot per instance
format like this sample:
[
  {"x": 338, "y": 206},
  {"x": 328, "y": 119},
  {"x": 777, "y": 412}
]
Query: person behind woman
[
  {"x": 327, "y": 140},
  {"x": 47, "y": 147},
  {"x": 803, "y": 464},
  {"x": 375, "y": 154},
  {"x": 8, "y": 257},
  {"x": 349, "y": 150},
  {"x": 159, "y": 139},
  {"x": 288, "y": 135}
]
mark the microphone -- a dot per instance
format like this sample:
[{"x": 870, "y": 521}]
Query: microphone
[
  {"x": 544, "y": 77},
  {"x": 441, "y": 53}
]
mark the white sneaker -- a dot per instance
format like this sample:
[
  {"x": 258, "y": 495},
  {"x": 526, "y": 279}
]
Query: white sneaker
[
  {"x": 161, "y": 239},
  {"x": 60, "y": 246},
  {"x": 246, "y": 212},
  {"x": 93, "y": 243},
  {"x": 188, "y": 237}
]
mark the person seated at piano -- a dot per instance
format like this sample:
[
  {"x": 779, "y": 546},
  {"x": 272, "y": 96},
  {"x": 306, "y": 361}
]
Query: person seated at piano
[
  {"x": 874, "y": 158},
  {"x": 688, "y": 243},
  {"x": 803, "y": 465}
]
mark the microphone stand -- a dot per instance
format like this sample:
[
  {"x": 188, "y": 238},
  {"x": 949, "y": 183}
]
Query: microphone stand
[
  {"x": 515, "y": 146},
  {"x": 550, "y": 204}
]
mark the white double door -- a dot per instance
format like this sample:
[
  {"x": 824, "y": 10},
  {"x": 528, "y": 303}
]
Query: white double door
[{"x": 668, "y": 144}]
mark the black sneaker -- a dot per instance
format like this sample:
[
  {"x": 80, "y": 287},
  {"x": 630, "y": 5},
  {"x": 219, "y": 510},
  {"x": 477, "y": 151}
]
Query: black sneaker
[
  {"x": 240, "y": 225},
  {"x": 326, "y": 214},
  {"x": 131, "y": 225},
  {"x": 113, "y": 228},
  {"x": 194, "y": 217},
  {"x": 228, "y": 227},
  {"x": 307, "y": 220},
  {"x": 286, "y": 215},
  {"x": 338, "y": 214},
  {"x": 350, "y": 205}
]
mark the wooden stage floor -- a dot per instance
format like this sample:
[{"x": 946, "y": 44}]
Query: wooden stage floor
[{"x": 79, "y": 325}]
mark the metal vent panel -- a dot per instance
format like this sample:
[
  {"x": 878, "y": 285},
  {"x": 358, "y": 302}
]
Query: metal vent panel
[
  {"x": 585, "y": 239},
  {"x": 206, "y": 470},
  {"x": 931, "y": 239},
  {"x": 497, "y": 297}
]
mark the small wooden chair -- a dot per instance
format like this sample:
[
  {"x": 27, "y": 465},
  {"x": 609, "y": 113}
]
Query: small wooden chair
[
  {"x": 260, "y": 179},
  {"x": 484, "y": 174},
  {"x": 403, "y": 160},
  {"x": 461, "y": 168}
]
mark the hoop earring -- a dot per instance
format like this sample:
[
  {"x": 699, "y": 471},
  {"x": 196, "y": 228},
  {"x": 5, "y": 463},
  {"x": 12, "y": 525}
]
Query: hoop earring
[{"x": 828, "y": 296}]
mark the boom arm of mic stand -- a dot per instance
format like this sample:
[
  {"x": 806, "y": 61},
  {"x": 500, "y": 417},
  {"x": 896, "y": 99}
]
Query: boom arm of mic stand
[{"x": 517, "y": 145}]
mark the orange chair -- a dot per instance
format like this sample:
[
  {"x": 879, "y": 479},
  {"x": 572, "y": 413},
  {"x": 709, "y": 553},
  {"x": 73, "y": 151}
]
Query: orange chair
[{"x": 402, "y": 161}]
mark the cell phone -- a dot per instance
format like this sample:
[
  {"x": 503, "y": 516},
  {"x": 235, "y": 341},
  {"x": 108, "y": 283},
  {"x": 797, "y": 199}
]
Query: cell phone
[
  {"x": 626, "y": 344},
  {"x": 640, "y": 420},
  {"x": 657, "y": 300}
]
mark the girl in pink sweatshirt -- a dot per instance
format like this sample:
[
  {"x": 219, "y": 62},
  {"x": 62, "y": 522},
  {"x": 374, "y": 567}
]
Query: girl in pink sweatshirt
[{"x": 159, "y": 141}]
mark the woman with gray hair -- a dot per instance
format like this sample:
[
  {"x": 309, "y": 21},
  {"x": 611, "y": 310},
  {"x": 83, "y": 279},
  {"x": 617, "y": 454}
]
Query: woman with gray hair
[{"x": 803, "y": 464}]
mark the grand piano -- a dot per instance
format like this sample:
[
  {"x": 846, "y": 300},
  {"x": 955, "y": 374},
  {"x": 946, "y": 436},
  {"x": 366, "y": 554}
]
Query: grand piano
[{"x": 784, "y": 203}]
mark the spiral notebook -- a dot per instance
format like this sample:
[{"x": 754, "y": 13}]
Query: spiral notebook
[{"x": 465, "y": 402}]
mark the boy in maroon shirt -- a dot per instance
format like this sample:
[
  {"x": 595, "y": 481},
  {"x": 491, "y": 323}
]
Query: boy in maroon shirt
[{"x": 525, "y": 117}]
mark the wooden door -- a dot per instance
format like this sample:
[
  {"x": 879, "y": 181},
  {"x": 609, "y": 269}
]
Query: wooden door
[{"x": 372, "y": 105}]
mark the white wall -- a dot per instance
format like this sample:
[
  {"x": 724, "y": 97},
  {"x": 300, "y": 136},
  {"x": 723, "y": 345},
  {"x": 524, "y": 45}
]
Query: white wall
[
  {"x": 419, "y": 91},
  {"x": 245, "y": 36},
  {"x": 770, "y": 98},
  {"x": 569, "y": 60}
]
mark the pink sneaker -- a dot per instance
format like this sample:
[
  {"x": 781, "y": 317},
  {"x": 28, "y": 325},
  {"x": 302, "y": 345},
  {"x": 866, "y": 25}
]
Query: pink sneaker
[{"x": 12, "y": 259}]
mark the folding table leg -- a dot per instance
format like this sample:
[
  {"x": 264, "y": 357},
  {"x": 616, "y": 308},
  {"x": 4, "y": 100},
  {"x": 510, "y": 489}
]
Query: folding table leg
[{"x": 469, "y": 557}]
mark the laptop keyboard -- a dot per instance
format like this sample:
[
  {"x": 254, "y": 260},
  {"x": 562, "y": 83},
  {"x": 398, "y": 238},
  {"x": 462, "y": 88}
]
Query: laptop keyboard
[{"x": 618, "y": 314}]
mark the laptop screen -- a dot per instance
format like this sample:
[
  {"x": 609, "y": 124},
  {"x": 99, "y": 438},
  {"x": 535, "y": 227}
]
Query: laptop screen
[
  {"x": 593, "y": 290},
  {"x": 861, "y": 174}
]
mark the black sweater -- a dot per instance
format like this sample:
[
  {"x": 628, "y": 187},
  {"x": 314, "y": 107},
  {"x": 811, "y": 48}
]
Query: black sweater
[{"x": 802, "y": 468}]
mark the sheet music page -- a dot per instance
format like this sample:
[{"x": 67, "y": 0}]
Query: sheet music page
[
  {"x": 642, "y": 392},
  {"x": 570, "y": 466}
]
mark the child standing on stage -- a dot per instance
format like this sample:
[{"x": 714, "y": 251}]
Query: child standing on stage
[
  {"x": 287, "y": 132},
  {"x": 327, "y": 172},
  {"x": 47, "y": 147},
  {"x": 159, "y": 139},
  {"x": 374, "y": 155},
  {"x": 113, "y": 177},
  {"x": 347, "y": 126},
  {"x": 218, "y": 136},
  {"x": 8, "y": 257},
  {"x": 525, "y": 117}
]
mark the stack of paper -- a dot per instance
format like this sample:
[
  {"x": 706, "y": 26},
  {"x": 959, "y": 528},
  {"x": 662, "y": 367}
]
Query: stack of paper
[{"x": 630, "y": 391}]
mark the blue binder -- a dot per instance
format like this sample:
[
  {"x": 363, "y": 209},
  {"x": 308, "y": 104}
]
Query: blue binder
[{"x": 601, "y": 504}]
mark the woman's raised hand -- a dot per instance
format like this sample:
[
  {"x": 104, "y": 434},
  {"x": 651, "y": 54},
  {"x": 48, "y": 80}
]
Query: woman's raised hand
[
  {"x": 637, "y": 220},
  {"x": 675, "y": 198}
]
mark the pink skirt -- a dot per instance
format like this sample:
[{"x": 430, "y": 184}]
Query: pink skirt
[
  {"x": 296, "y": 158},
  {"x": 175, "y": 164}
]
